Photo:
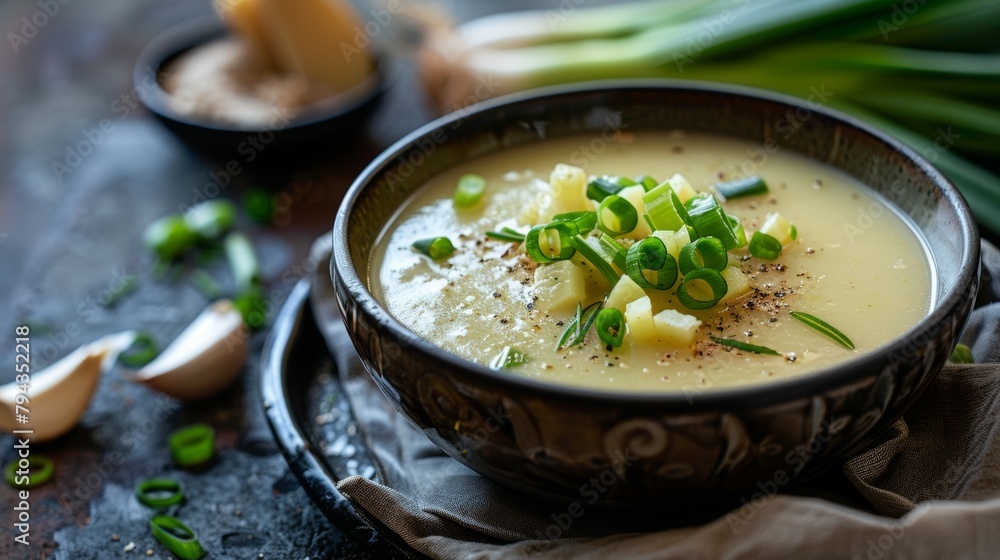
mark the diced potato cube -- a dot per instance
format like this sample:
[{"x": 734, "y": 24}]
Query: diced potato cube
[
  {"x": 569, "y": 189},
  {"x": 676, "y": 329},
  {"x": 625, "y": 292},
  {"x": 639, "y": 319},
  {"x": 559, "y": 286},
  {"x": 778, "y": 227},
  {"x": 673, "y": 240},
  {"x": 737, "y": 284},
  {"x": 634, "y": 194},
  {"x": 682, "y": 187}
]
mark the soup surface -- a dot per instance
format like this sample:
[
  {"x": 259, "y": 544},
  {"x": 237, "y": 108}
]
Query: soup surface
[{"x": 854, "y": 263}]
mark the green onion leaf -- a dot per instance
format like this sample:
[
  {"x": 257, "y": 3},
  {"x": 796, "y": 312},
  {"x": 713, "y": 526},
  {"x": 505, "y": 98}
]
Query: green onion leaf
[
  {"x": 142, "y": 351},
  {"x": 176, "y": 536},
  {"x": 705, "y": 252},
  {"x": 259, "y": 205},
  {"x": 736, "y": 225},
  {"x": 651, "y": 254},
  {"x": 745, "y": 346},
  {"x": 709, "y": 220},
  {"x": 962, "y": 354},
  {"x": 169, "y": 237},
  {"x": 469, "y": 191},
  {"x": 40, "y": 469},
  {"x": 205, "y": 284},
  {"x": 603, "y": 187},
  {"x": 747, "y": 186},
  {"x": 701, "y": 288},
  {"x": 648, "y": 183},
  {"x": 661, "y": 212},
  {"x": 610, "y": 326},
  {"x": 253, "y": 307},
  {"x": 824, "y": 328},
  {"x": 576, "y": 330},
  {"x": 551, "y": 242},
  {"x": 616, "y": 216},
  {"x": 507, "y": 358},
  {"x": 159, "y": 492},
  {"x": 212, "y": 219},
  {"x": 436, "y": 248},
  {"x": 595, "y": 259},
  {"x": 512, "y": 235},
  {"x": 763, "y": 246},
  {"x": 585, "y": 221},
  {"x": 615, "y": 248},
  {"x": 192, "y": 446},
  {"x": 243, "y": 262}
]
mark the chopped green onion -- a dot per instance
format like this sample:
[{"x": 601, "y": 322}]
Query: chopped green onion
[
  {"x": 253, "y": 307},
  {"x": 736, "y": 225},
  {"x": 40, "y": 469},
  {"x": 211, "y": 219},
  {"x": 648, "y": 183},
  {"x": 508, "y": 357},
  {"x": 551, "y": 242},
  {"x": 701, "y": 288},
  {"x": 703, "y": 252},
  {"x": 505, "y": 235},
  {"x": 763, "y": 246},
  {"x": 142, "y": 351},
  {"x": 610, "y": 326},
  {"x": 169, "y": 237},
  {"x": 259, "y": 205},
  {"x": 962, "y": 354},
  {"x": 469, "y": 191},
  {"x": 243, "y": 262},
  {"x": 661, "y": 212},
  {"x": 747, "y": 186},
  {"x": 193, "y": 446},
  {"x": 824, "y": 328},
  {"x": 616, "y": 216},
  {"x": 159, "y": 492},
  {"x": 585, "y": 221},
  {"x": 745, "y": 346},
  {"x": 576, "y": 330},
  {"x": 651, "y": 254},
  {"x": 205, "y": 283},
  {"x": 595, "y": 259},
  {"x": 127, "y": 287},
  {"x": 615, "y": 248},
  {"x": 176, "y": 536},
  {"x": 603, "y": 187},
  {"x": 793, "y": 231},
  {"x": 436, "y": 248},
  {"x": 709, "y": 220}
]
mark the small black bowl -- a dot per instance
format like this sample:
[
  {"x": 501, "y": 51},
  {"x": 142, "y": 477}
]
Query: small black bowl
[{"x": 314, "y": 127}]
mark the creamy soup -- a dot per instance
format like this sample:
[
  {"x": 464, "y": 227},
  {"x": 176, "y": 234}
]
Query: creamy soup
[{"x": 854, "y": 263}]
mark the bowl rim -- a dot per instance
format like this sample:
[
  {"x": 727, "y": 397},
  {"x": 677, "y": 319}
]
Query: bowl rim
[
  {"x": 741, "y": 397},
  {"x": 189, "y": 34}
]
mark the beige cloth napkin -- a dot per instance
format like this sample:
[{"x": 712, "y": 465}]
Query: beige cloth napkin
[{"x": 929, "y": 489}]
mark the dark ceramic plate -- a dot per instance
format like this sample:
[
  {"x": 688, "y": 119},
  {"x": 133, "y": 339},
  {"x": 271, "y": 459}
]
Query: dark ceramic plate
[{"x": 313, "y": 424}]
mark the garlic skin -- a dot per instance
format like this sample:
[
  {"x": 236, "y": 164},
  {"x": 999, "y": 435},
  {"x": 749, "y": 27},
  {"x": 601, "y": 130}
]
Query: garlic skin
[
  {"x": 204, "y": 359},
  {"x": 59, "y": 394}
]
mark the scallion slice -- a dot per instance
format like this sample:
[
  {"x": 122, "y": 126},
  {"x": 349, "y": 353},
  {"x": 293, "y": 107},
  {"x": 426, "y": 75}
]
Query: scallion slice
[
  {"x": 603, "y": 187},
  {"x": 648, "y": 183},
  {"x": 709, "y": 220},
  {"x": 507, "y": 358},
  {"x": 747, "y": 186},
  {"x": 512, "y": 235},
  {"x": 211, "y": 219},
  {"x": 701, "y": 288},
  {"x": 142, "y": 351},
  {"x": 707, "y": 252},
  {"x": 40, "y": 470},
  {"x": 661, "y": 211},
  {"x": 651, "y": 254},
  {"x": 595, "y": 259},
  {"x": 469, "y": 190},
  {"x": 745, "y": 346},
  {"x": 176, "y": 536},
  {"x": 169, "y": 237},
  {"x": 243, "y": 262},
  {"x": 763, "y": 246},
  {"x": 159, "y": 492},
  {"x": 192, "y": 446},
  {"x": 436, "y": 248},
  {"x": 616, "y": 216},
  {"x": 551, "y": 242},
  {"x": 615, "y": 248},
  {"x": 585, "y": 221},
  {"x": 736, "y": 225},
  {"x": 576, "y": 330},
  {"x": 610, "y": 326},
  {"x": 962, "y": 354},
  {"x": 823, "y": 328}
]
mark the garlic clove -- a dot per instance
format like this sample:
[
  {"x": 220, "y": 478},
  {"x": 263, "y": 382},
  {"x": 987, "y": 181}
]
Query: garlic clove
[
  {"x": 204, "y": 359},
  {"x": 58, "y": 395}
]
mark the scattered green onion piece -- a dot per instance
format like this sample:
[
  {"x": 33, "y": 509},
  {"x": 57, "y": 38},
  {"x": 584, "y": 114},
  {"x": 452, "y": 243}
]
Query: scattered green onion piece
[
  {"x": 41, "y": 468},
  {"x": 651, "y": 254},
  {"x": 603, "y": 187},
  {"x": 576, "y": 330},
  {"x": 823, "y": 328},
  {"x": 682, "y": 211},
  {"x": 585, "y": 221},
  {"x": 150, "y": 492},
  {"x": 142, "y": 351},
  {"x": 193, "y": 445},
  {"x": 616, "y": 216},
  {"x": 705, "y": 252},
  {"x": 551, "y": 242},
  {"x": 700, "y": 299},
  {"x": 242, "y": 261},
  {"x": 763, "y": 246},
  {"x": 736, "y": 225},
  {"x": 648, "y": 183},
  {"x": 212, "y": 219},
  {"x": 205, "y": 283},
  {"x": 610, "y": 326},
  {"x": 469, "y": 191},
  {"x": 253, "y": 307},
  {"x": 747, "y": 186},
  {"x": 745, "y": 346},
  {"x": 169, "y": 237},
  {"x": 615, "y": 248},
  {"x": 595, "y": 259},
  {"x": 506, "y": 236},
  {"x": 436, "y": 248},
  {"x": 709, "y": 219},
  {"x": 259, "y": 205},
  {"x": 962, "y": 354},
  {"x": 624, "y": 181},
  {"x": 661, "y": 213},
  {"x": 176, "y": 536},
  {"x": 128, "y": 286},
  {"x": 507, "y": 358},
  {"x": 793, "y": 231}
]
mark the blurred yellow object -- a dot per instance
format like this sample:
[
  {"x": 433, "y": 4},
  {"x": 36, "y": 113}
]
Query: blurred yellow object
[{"x": 244, "y": 17}]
